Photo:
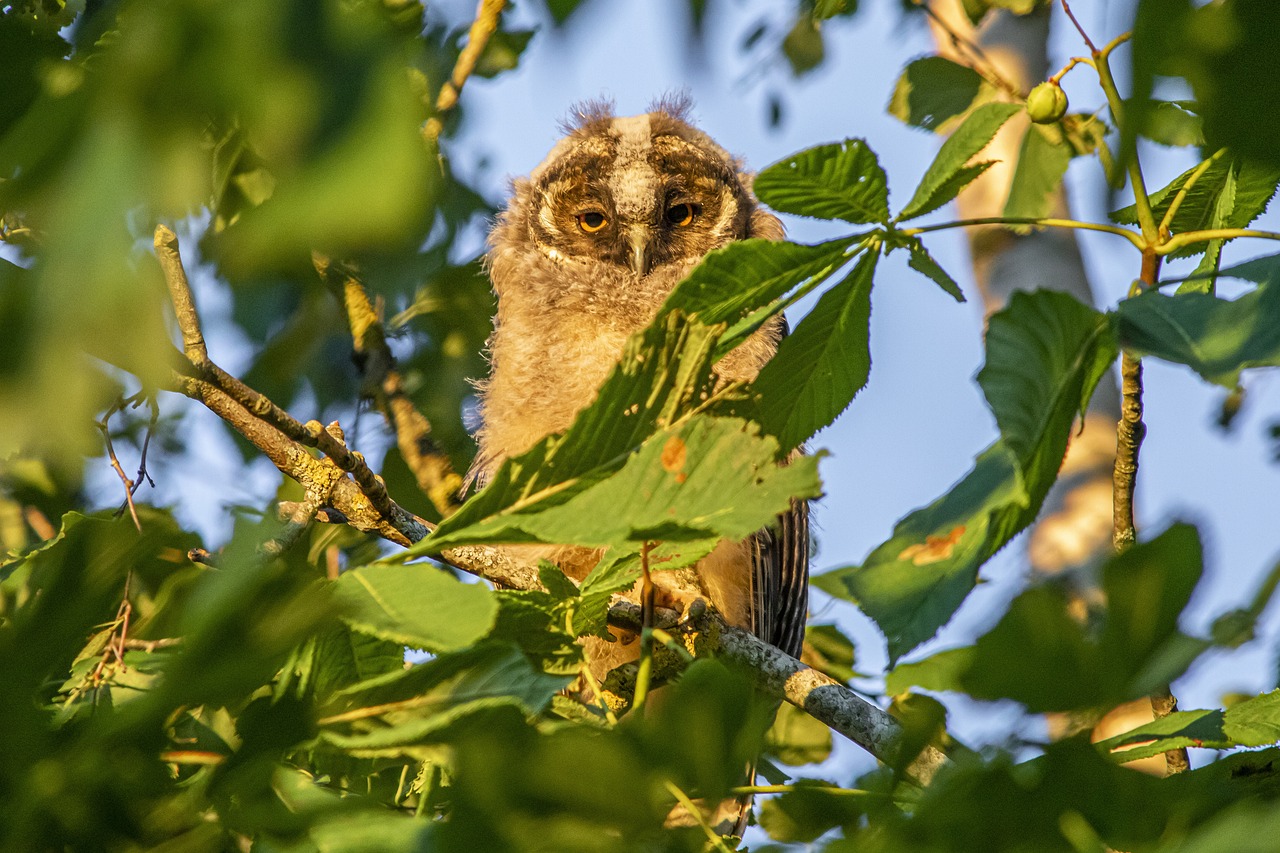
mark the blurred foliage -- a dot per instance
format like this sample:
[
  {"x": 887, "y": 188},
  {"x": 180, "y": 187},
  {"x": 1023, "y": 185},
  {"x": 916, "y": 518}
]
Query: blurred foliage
[{"x": 158, "y": 697}]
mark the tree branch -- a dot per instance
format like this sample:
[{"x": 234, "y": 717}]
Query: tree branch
[
  {"x": 328, "y": 484},
  {"x": 430, "y": 465},
  {"x": 482, "y": 28}
]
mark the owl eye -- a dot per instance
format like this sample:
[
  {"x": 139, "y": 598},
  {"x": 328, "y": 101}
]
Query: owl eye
[
  {"x": 592, "y": 221},
  {"x": 682, "y": 215}
]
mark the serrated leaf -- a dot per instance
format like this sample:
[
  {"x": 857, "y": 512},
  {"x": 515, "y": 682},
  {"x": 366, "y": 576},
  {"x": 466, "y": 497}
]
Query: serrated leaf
[
  {"x": 417, "y": 605},
  {"x": 933, "y": 90},
  {"x": 1248, "y": 188},
  {"x": 747, "y": 274},
  {"x": 922, "y": 262},
  {"x": 822, "y": 365},
  {"x": 1256, "y": 721},
  {"x": 1049, "y": 347},
  {"x": 841, "y": 180},
  {"x": 663, "y": 373},
  {"x": 1042, "y": 161},
  {"x": 950, "y": 173},
  {"x": 674, "y": 488},
  {"x": 912, "y": 583},
  {"x": 1217, "y": 338}
]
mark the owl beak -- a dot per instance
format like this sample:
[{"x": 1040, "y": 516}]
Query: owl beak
[{"x": 641, "y": 257}]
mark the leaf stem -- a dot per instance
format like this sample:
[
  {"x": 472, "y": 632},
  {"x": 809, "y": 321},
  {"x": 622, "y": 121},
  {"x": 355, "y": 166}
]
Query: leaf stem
[
  {"x": 646, "y": 631},
  {"x": 1187, "y": 238},
  {"x": 1186, "y": 188},
  {"x": 714, "y": 838},
  {"x": 743, "y": 790},
  {"x": 1133, "y": 238},
  {"x": 1142, "y": 201}
]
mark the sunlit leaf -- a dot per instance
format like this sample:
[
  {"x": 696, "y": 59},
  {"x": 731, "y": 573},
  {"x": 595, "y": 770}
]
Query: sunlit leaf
[
  {"x": 419, "y": 606},
  {"x": 842, "y": 180},
  {"x": 950, "y": 171},
  {"x": 822, "y": 364}
]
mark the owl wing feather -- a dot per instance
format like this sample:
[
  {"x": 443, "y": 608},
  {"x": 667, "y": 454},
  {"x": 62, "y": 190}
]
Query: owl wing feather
[{"x": 780, "y": 580}]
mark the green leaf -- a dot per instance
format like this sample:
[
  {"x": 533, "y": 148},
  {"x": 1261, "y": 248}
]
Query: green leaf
[
  {"x": 795, "y": 738},
  {"x": 674, "y": 488},
  {"x": 417, "y": 605},
  {"x": 664, "y": 372},
  {"x": 1042, "y": 162},
  {"x": 1045, "y": 354},
  {"x": 803, "y": 46},
  {"x": 933, "y": 90},
  {"x": 466, "y": 690},
  {"x": 1174, "y": 123},
  {"x": 1179, "y": 730},
  {"x": 940, "y": 671},
  {"x": 949, "y": 172},
  {"x": 1041, "y": 656},
  {"x": 1217, "y": 338},
  {"x": 830, "y": 651},
  {"x": 822, "y": 365},
  {"x": 912, "y": 583},
  {"x": 1229, "y": 53},
  {"x": 809, "y": 810},
  {"x": 502, "y": 52},
  {"x": 1228, "y": 194},
  {"x": 747, "y": 274},
  {"x": 922, "y": 262},
  {"x": 1256, "y": 721},
  {"x": 841, "y": 180}
]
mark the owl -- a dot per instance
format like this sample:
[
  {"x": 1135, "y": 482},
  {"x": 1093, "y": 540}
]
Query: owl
[{"x": 588, "y": 248}]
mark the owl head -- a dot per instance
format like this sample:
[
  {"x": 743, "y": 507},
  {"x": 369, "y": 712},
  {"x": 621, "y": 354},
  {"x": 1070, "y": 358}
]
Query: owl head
[{"x": 628, "y": 204}]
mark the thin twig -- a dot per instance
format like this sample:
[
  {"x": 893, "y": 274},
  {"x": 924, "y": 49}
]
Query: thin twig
[
  {"x": 713, "y": 838},
  {"x": 978, "y": 59},
  {"x": 104, "y": 426},
  {"x": 482, "y": 28},
  {"x": 430, "y": 465},
  {"x": 1048, "y": 222},
  {"x": 1066, "y": 7}
]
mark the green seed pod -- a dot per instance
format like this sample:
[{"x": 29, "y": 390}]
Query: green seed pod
[{"x": 1047, "y": 103}]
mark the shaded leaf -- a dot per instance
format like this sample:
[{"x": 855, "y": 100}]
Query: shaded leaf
[
  {"x": 738, "y": 279},
  {"x": 1042, "y": 161},
  {"x": 796, "y": 738},
  {"x": 1040, "y": 655},
  {"x": 1216, "y": 338},
  {"x": 1179, "y": 730},
  {"x": 1045, "y": 354},
  {"x": 922, "y": 262},
  {"x": 932, "y": 90},
  {"x": 418, "y": 605},
  {"x": 1256, "y": 721}
]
